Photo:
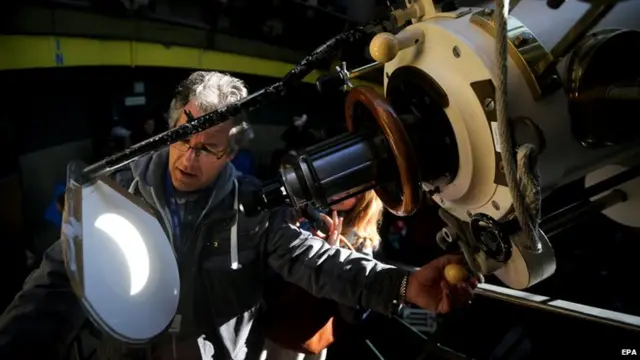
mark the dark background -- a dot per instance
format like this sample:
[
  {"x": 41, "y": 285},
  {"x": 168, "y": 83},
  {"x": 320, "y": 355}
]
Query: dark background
[{"x": 45, "y": 110}]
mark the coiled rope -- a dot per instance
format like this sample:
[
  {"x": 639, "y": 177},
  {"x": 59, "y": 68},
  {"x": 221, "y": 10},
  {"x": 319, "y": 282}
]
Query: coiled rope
[{"x": 520, "y": 165}]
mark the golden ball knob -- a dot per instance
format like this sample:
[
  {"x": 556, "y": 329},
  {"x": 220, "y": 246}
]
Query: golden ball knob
[
  {"x": 384, "y": 47},
  {"x": 455, "y": 274}
]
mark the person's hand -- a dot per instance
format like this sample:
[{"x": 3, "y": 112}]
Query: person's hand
[
  {"x": 428, "y": 288},
  {"x": 334, "y": 223}
]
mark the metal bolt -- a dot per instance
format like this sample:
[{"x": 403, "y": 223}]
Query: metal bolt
[
  {"x": 495, "y": 205},
  {"x": 456, "y": 51},
  {"x": 555, "y": 4},
  {"x": 447, "y": 235},
  {"x": 489, "y": 104}
]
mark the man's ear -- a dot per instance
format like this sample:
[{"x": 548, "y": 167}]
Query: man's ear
[{"x": 239, "y": 137}]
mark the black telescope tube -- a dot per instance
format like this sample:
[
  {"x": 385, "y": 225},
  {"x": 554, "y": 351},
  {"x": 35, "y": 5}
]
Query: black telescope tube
[
  {"x": 326, "y": 174},
  {"x": 333, "y": 171}
]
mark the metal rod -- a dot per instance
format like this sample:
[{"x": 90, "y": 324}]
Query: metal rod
[
  {"x": 584, "y": 205},
  {"x": 561, "y": 307},
  {"x": 513, "y": 5},
  {"x": 579, "y": 311},
  {"x": 623, "y": 93},
  {"x": 199, "y": 124},
  {"x": 576, "y": 33},
  {"x": 579, "y": 211},
  {"x": 611, "y": 182},
  {"x": 364, "y": 69}
]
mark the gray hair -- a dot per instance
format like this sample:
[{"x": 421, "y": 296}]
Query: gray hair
[{"x": 211, "y": 90}]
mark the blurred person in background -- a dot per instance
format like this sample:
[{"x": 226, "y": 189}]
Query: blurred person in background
[
  {"x": 144, "y": 132},
  {"x": 53, "y": 212},
  {"x": 121, "y": 136},
  {"x": 149, "y": 127},
  {"x": 222, "y": 254}
]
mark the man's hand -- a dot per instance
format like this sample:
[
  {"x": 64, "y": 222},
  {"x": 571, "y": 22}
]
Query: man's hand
[{"x": 429, "y": 289}]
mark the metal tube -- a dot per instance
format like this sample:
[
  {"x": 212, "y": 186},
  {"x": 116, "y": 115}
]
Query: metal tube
[
  {"x": 610, "y": 183},
  {"x": 550, "y": 221},
  {"x": 576, "y": 33},
  {"x": 561, "y": 307},
  {"x": 621, "y": 93},
  {"x": 591, "y": 18},
  {"x": 576, "y": 212},
  {"x": 196, "y": 125},
  {"x": 364, "y": 69}
]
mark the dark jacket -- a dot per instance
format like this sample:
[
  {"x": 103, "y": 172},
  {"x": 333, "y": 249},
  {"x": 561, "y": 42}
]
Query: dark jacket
[{"x": 46, "y": 315}]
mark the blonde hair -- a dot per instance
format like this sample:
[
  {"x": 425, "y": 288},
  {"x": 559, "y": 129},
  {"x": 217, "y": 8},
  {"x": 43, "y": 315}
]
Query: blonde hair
[{"x": 364, "y": 220}]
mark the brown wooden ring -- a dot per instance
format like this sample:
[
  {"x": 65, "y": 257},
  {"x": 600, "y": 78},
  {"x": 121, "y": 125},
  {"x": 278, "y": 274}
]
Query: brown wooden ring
[{"x": 399, "y": 144}]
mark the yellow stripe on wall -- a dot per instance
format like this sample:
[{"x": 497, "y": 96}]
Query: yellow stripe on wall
[{"x": 28, "y": 52}]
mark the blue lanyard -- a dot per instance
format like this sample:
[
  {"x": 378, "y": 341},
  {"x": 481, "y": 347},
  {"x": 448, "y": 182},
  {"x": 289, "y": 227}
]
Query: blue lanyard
[{"x": 173, "y": 208}]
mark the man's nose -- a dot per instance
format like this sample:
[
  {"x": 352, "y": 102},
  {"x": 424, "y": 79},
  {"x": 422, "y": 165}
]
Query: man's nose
[{"x": 190, "y": 157}]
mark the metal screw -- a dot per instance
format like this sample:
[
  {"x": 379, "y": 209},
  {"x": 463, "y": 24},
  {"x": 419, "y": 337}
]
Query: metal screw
[
  {"x": 489, "y": 104},
  {"x": 456, "y": 51},
  {"x": 495, "y": 205}
]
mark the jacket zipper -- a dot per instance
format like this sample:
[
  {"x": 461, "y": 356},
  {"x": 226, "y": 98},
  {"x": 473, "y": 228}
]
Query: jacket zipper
[
  {"x": 210, "y": 324},
  {"x": 166, "y": 220}
]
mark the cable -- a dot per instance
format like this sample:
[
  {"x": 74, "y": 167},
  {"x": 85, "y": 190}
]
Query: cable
[{"x": 520, "y": 165}]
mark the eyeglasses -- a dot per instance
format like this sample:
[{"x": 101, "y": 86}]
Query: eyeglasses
[{"x": 184, "y": 146}]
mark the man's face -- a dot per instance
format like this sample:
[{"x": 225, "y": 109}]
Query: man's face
[{"x": 195, "y": 162}]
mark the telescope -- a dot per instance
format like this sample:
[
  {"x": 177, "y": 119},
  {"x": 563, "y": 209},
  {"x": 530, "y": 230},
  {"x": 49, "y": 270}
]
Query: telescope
[{"x": 486, "y": 111}]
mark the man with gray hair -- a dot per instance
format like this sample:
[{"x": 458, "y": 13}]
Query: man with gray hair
[{"x": 222, "y": 254}]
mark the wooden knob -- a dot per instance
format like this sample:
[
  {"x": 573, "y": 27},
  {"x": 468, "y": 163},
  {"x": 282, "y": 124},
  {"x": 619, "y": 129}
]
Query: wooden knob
[
  {"x": 384, "y": 47},
  {"x": 455, "y": 274}
]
